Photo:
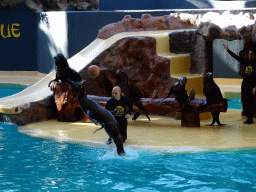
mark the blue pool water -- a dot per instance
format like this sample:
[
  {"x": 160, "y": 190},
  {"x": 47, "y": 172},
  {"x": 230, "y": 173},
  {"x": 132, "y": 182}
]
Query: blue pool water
[
  {"x": 8, "y": 91},
  {"x": 235, "y": 103},
  {"x": 33, "y": 164}
]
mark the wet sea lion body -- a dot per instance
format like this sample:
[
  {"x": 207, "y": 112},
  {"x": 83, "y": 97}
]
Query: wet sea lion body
[{"x": 101, "y": 116}]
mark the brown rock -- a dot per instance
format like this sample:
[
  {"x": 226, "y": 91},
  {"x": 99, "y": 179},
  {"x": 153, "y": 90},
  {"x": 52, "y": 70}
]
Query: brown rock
[
  {"x": 136, "y": 56},
  {"x": 10, "y": 3},
  {"x": 209, "y": 31},
  {"x": 230, "y": 33},
  {"x": 54, "y": 5},
  {"x": 65, "y": 96},
  {"x": 42, "y": 110},
  {"x": 245, "y": 32},
  {"x": 147, "y": 22}
]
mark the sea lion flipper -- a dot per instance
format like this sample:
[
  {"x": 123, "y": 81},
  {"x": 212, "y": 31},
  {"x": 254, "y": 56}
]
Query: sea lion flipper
[
  {"x": 147, "y": 116},
  {"x": 216, "y": 119},
  {"x": 136, "y": 115}
]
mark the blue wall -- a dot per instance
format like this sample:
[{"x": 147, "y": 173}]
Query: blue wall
[
  {"x": 111, "y": 5},
  {"x": 18, "y": 54}
]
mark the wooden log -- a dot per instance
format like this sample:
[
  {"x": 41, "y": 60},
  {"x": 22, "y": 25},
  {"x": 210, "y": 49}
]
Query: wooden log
[
  {"x": 164, "y": 107},
  {"x": 190, "y": 119}
]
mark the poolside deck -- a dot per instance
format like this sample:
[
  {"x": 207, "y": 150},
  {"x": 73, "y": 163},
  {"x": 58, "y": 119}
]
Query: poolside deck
[{"x": 162, "y": 133}]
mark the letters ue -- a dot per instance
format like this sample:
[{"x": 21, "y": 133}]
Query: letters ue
[{"x": 12, "y": 30}]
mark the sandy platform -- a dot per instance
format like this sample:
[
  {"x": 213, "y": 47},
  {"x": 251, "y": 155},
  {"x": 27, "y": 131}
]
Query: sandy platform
[{"x": 162, "y": 133}]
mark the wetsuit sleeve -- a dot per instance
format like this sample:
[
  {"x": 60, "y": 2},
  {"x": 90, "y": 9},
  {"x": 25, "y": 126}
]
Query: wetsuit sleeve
[{"x": 236, "y": 57}]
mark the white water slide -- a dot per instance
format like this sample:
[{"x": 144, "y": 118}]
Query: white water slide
[{"x": 16, "y": 103}]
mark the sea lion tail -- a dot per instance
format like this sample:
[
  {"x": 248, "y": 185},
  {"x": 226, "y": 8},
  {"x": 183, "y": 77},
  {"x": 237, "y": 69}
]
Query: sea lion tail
[
  {"x": 112, "y": 130},
  {"x": 227, "y": 99}
]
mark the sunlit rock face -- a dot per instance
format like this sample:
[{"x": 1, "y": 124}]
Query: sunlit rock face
[
  {"x": 54, "y": 5},
  {"x": 226, "y": 25},
  {"x": 145, "y": 23},
  {"x": 65, "y": 97},
  {"x": 137, "y": 57},
  {"x": 210, "y": 26}
]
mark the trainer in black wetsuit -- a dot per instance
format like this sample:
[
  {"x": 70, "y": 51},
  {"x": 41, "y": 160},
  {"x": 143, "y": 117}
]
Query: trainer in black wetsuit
[
  {"x": 248, "y": 84},
  {"x": 121, "y": 107}
]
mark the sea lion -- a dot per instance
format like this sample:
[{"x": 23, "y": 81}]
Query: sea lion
[
  {"x": 101, "y": 116},
  {"x": 213, "y": 96},
  {"x": 181, "y": 95},
  {"x": 132, "y": 92},
  {"x": 63, "y": 72}
]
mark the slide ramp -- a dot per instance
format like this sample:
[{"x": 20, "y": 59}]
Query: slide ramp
[{"x": 40, "y": 90}]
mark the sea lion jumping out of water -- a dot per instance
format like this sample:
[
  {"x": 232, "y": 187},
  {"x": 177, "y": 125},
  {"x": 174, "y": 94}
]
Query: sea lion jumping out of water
[
  {"x": 101, "y": 116},
  {"x": 213, "y": 96},
  {"x": 63, "y": 72},
  {"x": 132, "y": 92}
]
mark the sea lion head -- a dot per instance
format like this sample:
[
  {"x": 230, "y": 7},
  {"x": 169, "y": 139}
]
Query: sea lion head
[
  {"x": 183, "y": 81},
  {"x": 61, "y": 64},
  {"x": 180, "y": 84},
  {"x": 208, "y": 77},
  {"x": 123, "y": 77}
]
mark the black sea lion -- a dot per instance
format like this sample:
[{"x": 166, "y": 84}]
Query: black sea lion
[
  {"x": 63, "y": 72},
  {"x": 181, "y": 95},
  {"x": 101, "y": 116},
  {"x": 213, "y": 96},
  {"x": 132, "y": 92}
]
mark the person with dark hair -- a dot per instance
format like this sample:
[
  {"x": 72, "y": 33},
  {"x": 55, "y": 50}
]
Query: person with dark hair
[
  {"x": 121, "y": 107},
  {"x": 248, "y": 84}
]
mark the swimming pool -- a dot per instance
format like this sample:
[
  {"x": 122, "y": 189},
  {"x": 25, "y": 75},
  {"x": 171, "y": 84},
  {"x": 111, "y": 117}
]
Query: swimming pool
[
  {"x": 33, "y": 164},
  {"x": 235, "y": 103}
]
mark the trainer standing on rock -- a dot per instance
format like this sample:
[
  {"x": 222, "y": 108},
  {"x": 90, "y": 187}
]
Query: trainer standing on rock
[
  {"x": 249, "y": 83},
  {"x": 121, "y": 107}
]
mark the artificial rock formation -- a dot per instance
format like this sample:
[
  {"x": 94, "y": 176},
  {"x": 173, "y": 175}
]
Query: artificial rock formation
[
  {"x": 42, "y": 110},
  {"x": 227, "y": 25},
  {"x": 65, "y": 96},
  {"x": 145, "y": 23},
  {"x": 54, "y": 5},
  {"x": 136, "y": 56}
]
